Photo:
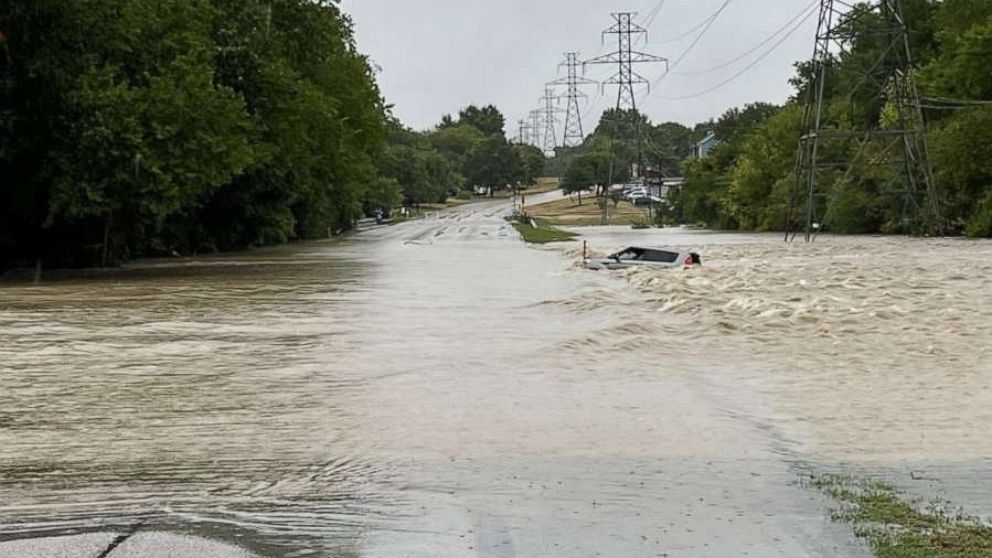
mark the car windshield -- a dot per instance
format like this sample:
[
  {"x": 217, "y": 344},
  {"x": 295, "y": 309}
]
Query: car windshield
[
  {"x": 659, "y": 256},
  {"x": 629, "y": 254},
  {"x": 645, "y": 255}
]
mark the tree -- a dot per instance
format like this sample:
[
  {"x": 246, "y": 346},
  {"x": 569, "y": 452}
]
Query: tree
[
  {"x": 493, "y": 163},
  {"x": 488, "y": 120},
  {"x": 455, "y": 143},
  {"x": 761, "y": 177},
  {"x": 585, "y": 171},
  {"x": 669, "y": 144},
  {"x": 532, "y": 161},
  {"x": 384, "y": 194},
  {"x": 146, "y": 126},
  {"x": 962, "y": 158}
]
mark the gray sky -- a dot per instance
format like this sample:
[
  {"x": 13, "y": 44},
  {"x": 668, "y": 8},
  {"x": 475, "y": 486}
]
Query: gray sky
[{"x": 437, "y": 56}]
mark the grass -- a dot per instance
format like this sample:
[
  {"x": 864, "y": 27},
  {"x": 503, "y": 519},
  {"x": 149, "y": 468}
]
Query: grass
[
  {"x": 897, "y": 528},
  {"x": 567, "y": 212},
  {"x": 543, "y": 185},
  {"x": 543, "y": 234},
  {"x": 546, "y": 184}
]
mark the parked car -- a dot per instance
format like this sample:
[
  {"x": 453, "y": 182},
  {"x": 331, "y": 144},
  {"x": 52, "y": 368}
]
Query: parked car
[
  {"x": 635, "y": 194},
  {"x": 650, "y": 257},
  {"x": 646, "y": 200}
]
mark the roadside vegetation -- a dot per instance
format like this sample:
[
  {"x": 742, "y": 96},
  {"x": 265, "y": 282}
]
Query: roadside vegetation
[
  {"x": 542, "y": 233},
  {"x": 568, "y": 212},
  {"x": 154, "y": 127},
  {"x": 744, "y": 183},
  {"x": 895, "y": 527}
]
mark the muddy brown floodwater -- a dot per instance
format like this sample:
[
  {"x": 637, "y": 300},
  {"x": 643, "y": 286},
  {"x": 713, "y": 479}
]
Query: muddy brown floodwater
[{"x": 440, "y": 389}]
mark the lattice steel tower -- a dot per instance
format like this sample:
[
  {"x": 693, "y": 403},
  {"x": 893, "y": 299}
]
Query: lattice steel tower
[
  {"x": 550, "y": 118},
  {"x": 523, "y": 136},
  {"x": 893, "y": 122},
  {"x": 536, "y": 121},
  {"x": 573, "y": 135},
  {"x": 625, "y": 57}
]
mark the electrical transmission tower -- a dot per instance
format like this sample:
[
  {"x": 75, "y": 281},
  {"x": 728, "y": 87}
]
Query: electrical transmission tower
[
  {"x": 536, "y": 121},
  {"x": 573, "y": 134},
  {"x": 523, "y": 136},
  {"x": 625, "y": 57},
  {"x": 550, "y": 118},
  {"x": 888, "y": 130}
]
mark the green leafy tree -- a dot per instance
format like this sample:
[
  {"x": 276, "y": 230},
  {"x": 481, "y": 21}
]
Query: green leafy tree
[
  {"x": 669, "y": 145},
  {"x": 532, "y": 162},
  {"x": 493, "y": 163},
  {"x": 587, "y": 170},
  {"x": 488, "y": 120},
  {"x": 151, "y": 126},
  {"x": 962, "y": 158},
  {"x": 383, "y": 194}
]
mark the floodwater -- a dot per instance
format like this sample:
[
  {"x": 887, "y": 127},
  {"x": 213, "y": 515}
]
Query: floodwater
[{"x": 438, "y": 388}]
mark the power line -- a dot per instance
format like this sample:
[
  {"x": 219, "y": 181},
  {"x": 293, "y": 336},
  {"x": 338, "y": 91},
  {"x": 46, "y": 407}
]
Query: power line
[
  {"x": 747, "y": 53},
  {"x": 706, "y": 27},
  {"x": 593, "y": 105},
  {"x": 654, "y": 13},
  {"x": 699, "y": 37},
  {"x": 747, "y": 68},
  {"x": 704, "y": 23}
]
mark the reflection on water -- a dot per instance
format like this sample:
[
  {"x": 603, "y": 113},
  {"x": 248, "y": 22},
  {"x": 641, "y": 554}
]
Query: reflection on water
[{"x": 437, "y": 388}]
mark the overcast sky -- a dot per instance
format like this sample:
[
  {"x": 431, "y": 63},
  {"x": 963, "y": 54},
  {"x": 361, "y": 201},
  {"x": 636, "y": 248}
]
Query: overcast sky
[{"x": 437, "y": 56}]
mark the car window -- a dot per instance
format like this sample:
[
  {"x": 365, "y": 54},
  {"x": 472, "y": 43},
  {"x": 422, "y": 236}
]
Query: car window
[
  {"x": 630, "y": 255},
  {"x": 660, "y": 256}
]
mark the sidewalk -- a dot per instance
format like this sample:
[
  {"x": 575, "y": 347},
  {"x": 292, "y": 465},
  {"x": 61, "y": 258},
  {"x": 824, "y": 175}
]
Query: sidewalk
[{"x": 142, "y": 545}]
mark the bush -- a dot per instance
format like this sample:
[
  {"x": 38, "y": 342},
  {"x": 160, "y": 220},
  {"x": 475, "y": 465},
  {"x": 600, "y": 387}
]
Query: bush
[{"x": 980, "y": 222}]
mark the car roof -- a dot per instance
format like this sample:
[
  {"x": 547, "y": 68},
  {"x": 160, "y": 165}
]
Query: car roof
[{"x": 650, "y": 249}]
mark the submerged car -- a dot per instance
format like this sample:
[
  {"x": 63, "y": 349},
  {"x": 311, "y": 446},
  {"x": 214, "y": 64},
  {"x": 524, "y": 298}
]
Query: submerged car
[{"x": 649, "y": 257}]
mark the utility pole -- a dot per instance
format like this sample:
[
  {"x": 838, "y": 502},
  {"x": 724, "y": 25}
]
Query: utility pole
[
  {"x": 573, "y": 133},
  {"x": 890, "y": 83},
  {"x": 625, "y": 57},
  {"x": 550, "y": 117}
]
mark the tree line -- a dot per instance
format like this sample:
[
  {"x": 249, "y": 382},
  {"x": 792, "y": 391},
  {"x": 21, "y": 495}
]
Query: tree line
[
  {"x": 133, "y": 128},
  {"x": 746, "y": 182},
  {"x": 623, "y": 139},
  {"x": 455, "y": 157}
]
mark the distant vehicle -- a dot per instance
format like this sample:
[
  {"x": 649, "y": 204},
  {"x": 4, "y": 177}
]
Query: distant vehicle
[
  {"x": 645, "y": 200},
  {"x": 649, "y": 257}
]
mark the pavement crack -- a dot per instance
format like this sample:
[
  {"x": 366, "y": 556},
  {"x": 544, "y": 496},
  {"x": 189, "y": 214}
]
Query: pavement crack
[{"x": 120, "y": 539}]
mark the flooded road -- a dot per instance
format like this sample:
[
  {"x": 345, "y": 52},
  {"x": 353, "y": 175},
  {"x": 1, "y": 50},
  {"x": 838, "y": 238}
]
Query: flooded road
[{"x": 438, "y": 388}]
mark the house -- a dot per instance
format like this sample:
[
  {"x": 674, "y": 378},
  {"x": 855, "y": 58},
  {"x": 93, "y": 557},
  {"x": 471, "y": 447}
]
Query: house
[{"x": 702, "y": 148}]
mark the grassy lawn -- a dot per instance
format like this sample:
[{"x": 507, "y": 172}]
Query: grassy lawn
[
  {"x": 543, "y": 185},
  {"x": 567, "y": 212},
  {"x": 897, "y": 528},
  {"x": 543, "y": 234}
]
